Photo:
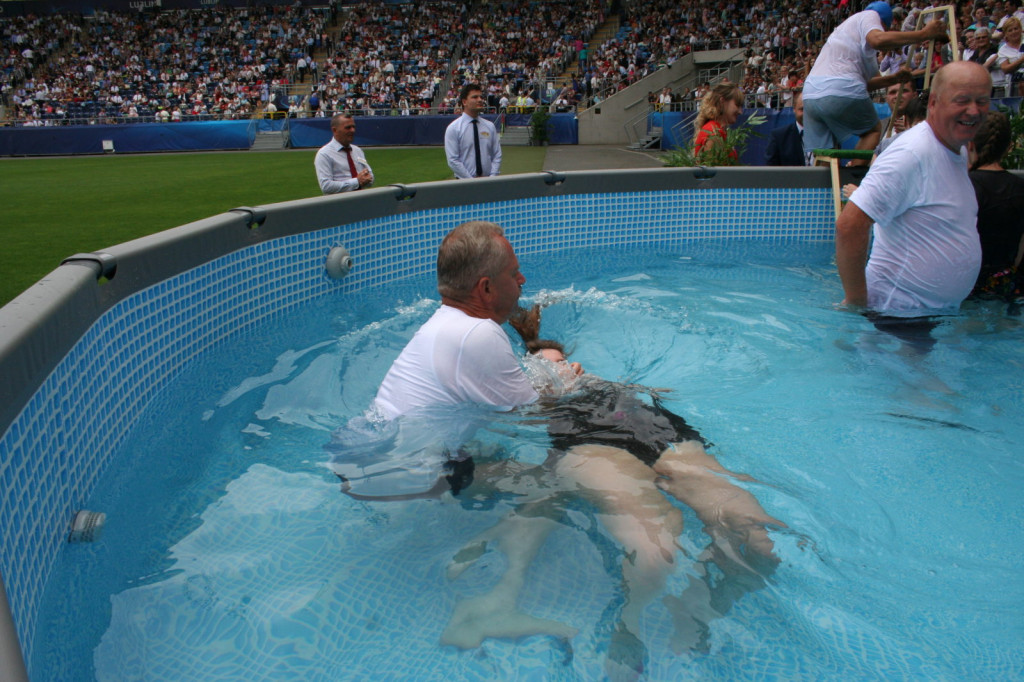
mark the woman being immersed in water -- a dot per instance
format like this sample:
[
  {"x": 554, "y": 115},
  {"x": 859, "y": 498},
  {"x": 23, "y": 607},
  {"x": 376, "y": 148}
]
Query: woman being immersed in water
[{"x": 621, "y": 453}]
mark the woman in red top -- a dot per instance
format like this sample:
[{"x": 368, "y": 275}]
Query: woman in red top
[{"x": 719, "y": 109}]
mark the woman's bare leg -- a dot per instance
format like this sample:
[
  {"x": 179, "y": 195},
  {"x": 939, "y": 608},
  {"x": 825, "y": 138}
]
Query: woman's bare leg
[
  {"x": 495, "y": 614},
  {"x": 736, "y": 523},
  {"x": 733, "y": 517},
  {"x": 644, "y": 522},
  {"x": 634, "y": 511}
]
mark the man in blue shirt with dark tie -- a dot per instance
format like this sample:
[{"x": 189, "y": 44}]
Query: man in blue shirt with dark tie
[{"x": 471, "y": 142}]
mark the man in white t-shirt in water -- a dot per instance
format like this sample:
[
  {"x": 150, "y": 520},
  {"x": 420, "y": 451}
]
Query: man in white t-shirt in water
[
  {"x": 457, "y": 368},
  {"x": 837, "y": 103},
  {"x": 926, "y": 253},
  {"x": 461, "y": 354}
]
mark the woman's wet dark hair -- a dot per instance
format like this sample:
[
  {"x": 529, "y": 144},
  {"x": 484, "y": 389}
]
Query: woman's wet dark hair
[
  {"x": 993, "y": 139},
  {"x": 915, "y": 110},
  {"x": 527, "y": 325},
  {"x": 537, "y": 345}
]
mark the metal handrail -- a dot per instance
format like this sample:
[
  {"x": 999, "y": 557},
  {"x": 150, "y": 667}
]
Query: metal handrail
[
  {"x": 631, "y": 126},
  {"x": 723, "y": 66}
]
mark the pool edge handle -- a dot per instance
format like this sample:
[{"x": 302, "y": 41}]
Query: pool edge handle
[{"x": 105, "y": 262}]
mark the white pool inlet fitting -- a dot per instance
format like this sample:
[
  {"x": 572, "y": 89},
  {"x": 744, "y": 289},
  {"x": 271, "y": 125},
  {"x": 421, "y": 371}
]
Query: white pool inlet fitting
[
  {"x": 86, "y": 526},
  {"x": 339, "y": 262}
]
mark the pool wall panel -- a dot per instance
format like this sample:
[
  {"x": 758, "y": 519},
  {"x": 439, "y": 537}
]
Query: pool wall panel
[{"x": 81, "y": 360}]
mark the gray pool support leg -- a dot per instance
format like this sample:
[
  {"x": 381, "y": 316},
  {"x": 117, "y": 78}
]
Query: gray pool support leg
[{"x": 12, "y": 666}]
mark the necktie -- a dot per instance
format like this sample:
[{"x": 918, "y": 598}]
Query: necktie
[
  {"x": 351, "y": 163},
  {"x": 476, "y": 149}
]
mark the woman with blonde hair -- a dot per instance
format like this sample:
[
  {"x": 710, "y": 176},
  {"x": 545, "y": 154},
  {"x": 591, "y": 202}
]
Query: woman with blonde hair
[
  {"x": 1011, "y": 58},
  {"x": 719, "y": 109}
]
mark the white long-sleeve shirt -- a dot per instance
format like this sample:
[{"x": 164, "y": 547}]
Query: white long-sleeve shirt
[
  {"x": 458, "y": 147},
  {"x": 332, "y": 171}
]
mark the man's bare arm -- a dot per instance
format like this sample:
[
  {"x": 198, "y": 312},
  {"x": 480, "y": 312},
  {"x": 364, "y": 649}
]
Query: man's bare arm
[
  {"x": 853, "y": 232},
  {"x": 888, "y": 40}
]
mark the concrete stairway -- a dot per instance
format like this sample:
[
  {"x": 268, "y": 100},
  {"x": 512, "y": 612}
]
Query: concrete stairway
[
  {"x": 605, "y": 31},
  {"x": 650, "y": 141},
  {"x": 516, "y": 136},
  {"x": 266, "y": 141}
]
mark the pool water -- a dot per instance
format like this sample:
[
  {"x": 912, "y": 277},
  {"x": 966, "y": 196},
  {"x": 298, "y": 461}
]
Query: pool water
[{"x": 231, "y": 553}]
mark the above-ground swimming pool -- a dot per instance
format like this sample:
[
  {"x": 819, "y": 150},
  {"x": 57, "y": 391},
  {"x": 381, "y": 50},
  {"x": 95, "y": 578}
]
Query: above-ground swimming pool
[{"x": 230, "y": 550}]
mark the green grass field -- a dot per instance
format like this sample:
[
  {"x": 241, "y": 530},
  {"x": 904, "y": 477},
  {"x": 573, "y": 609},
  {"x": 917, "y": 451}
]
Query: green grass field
[{"x": 56, "y": 207}]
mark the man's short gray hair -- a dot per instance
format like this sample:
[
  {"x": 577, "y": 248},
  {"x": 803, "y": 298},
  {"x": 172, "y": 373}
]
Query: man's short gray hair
[
  {"x": 470, "y": 251},
  {"x": 338, "y": 118}
]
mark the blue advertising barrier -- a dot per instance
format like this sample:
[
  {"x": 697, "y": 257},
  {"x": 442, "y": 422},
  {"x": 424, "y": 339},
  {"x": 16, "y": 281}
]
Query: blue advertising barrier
[
  {"x": 374, "y": 131},
  {"x": 371, "y": 131},
  {"x": 424, "y": 130},
  {"x": 270, "y": 125},
  {"x": 135, "y": 137}
]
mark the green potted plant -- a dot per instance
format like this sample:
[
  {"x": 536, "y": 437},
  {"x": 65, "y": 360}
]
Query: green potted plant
[
  {"x": 540, "y": 126},
  {"x": 716, "y": 154},
  {"x": 1015, "y": 159}
]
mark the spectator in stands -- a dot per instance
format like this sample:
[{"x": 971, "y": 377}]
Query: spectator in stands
[
  {"x": 665, "y": 99},
  {"x": 340, "y": 165},
  {"x": 1011, "y": 58},
  {"x": 892, "y": 62},
  {"x": 1000, "y": 197},
  {"x": 987, "y": 55},
  {"x": 981, "y": 19},
  {"x": 785, "y": 145},
  {"x": 925, "y": 254},
  {"x": 968, "y": 46},
  {"x": 562, "y": 104},
  {"x": 897, "y": 96},
  {"x": 836, "y": 100},
  {"x": 913, "y": 112},
  {"x": 471, "y": 142}
]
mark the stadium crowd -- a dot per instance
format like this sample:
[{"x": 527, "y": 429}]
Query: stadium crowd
[
  {"x": 403, "y": 58},
  {"x": 514, "y": 48},
  {"x": 387, "y": 57},
  {"x": 213, "y": 63}
]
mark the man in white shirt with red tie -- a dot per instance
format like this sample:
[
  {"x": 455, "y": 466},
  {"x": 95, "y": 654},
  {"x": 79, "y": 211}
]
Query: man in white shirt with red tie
[
  {"x": 340, "y": 165},
  {"x": 471, "y": 141}
]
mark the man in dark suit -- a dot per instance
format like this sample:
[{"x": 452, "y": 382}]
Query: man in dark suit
[{"x": 785, "y": 145}]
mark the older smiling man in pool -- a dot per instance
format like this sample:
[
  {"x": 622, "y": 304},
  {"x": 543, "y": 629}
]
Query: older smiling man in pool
[{"x": 926, "y": 254}]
